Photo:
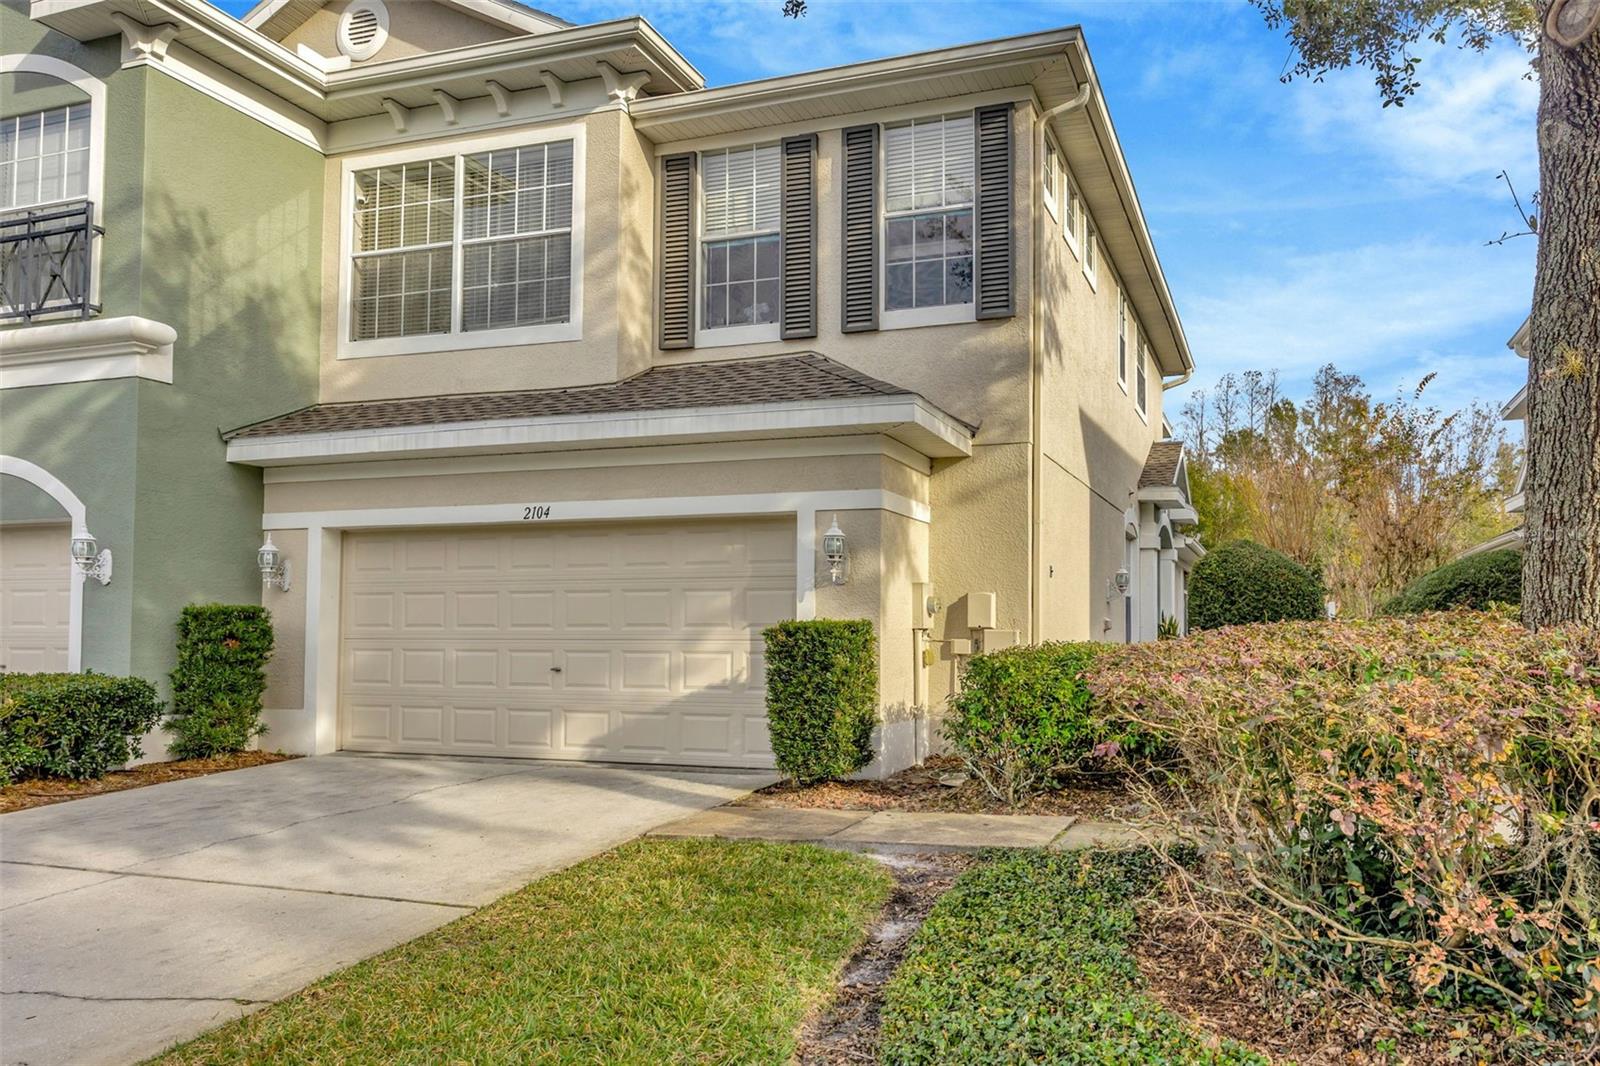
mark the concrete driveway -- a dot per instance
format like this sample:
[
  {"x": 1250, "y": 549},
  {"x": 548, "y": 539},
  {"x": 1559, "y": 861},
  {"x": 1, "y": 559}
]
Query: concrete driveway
[{"x": 137, "y": 919}]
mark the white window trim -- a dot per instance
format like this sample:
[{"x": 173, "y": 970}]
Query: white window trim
[
  {"x": 1143, "y": 368},
  {"x": 1051, "y": 196},
  {"x": 916, "y": 317},
  {"x": 1124, "y": 321},
  {"x": 729, "y": 336},
  {"x": 95, "y": 90},
  {"x": 1069, "y": 224},
  {"x": 1090, "y": 251},
  {"x": 513, "y": 336}
]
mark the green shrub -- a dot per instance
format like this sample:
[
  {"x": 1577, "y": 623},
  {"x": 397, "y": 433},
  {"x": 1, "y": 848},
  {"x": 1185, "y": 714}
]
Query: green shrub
[
  {"x": 822, "y": 696},
  {"x": 1027, "y": 960},
  {"x": 217, "y": 685},
  {"x": 1407, "y": 806},
  {"x": 72, "y": 725},
  {"x": 1243, "y": 582},
  {"x": 1476, "y": 582},
  {"x": 1023, "y": 716}
]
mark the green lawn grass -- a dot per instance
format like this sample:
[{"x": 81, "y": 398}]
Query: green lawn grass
[
  {"x": 1026, "y": 960},
  {"x": 662, "y": 951}
]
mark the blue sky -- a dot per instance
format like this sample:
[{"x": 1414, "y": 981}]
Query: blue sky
[{"x": 1298, "y": 224}]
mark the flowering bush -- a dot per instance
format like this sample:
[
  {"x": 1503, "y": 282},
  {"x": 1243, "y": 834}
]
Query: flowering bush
[{"x": 1408, "y": 806}]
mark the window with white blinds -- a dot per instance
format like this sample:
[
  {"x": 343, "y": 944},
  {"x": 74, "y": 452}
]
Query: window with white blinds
[
  {"x": 1052, "y": 176},
  {"x": 928, "y": 194},
  {"x": 740, "y": 201},
  {"x": 1141, "y": 392},
  {"x": 44, "y": 156},
  {"x": 1122, "y": 337},
  {"x": 504, "y": 218}
]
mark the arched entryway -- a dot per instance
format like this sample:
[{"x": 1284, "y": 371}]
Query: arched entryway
[{"x": 41, "y": 591}]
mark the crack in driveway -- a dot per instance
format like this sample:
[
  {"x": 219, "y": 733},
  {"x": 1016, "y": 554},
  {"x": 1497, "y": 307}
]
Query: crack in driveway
[
  {"x": 218, "y": 881},
  {"x": 134, "y": 999}
]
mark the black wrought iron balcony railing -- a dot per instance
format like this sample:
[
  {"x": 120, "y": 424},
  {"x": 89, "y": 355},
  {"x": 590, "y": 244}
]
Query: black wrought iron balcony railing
[{"x": 47, "y": 262}]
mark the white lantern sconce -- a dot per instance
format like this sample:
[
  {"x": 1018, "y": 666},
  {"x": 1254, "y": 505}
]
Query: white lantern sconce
[
  {"x": 1120, "y": 581},
  {"x": 93, "y": 560},
  {"x": 273, "y": 566},
  {"x": 833, "y": 551}
]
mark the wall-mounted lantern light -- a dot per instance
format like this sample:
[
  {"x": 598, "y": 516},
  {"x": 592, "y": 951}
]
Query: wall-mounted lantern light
[
  {"x": 1120, "y": 581},
  {"x": 833, "y": 551},
  {"x": 274, "y": 567},
  {"x": 90, "y": 558}
]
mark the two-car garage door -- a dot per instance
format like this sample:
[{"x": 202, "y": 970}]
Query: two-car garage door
[{"x": 634, "y": 642}]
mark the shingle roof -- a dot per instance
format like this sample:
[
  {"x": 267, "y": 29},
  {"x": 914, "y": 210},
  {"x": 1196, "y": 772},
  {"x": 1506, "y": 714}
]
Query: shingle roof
[
  {"x": 782, "y": 379},
  {"x": 1161, "y": 466}
]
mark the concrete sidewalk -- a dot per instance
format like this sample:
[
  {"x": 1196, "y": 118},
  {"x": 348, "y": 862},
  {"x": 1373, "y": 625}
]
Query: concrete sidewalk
[{"x": 904, "y": 830}]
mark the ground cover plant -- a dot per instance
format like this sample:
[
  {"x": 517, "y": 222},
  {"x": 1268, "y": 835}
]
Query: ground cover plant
[
  {"x": 74, "y": 726},
  {"x": 1027, "y": 959},
  {"x": 1403, "y": 810},
  {"x": 661, "y": 951}
]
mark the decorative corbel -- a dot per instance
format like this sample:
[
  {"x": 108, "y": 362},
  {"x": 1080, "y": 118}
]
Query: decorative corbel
[
  {"x": 555, "y": 87},
  {"x": 141, "y": 42},
  {"x": 448, "y": 105},
  {"x": 621, "y": 87},
  {"x": 398, "y": 112},
  {"x": 502, "y": 97}
]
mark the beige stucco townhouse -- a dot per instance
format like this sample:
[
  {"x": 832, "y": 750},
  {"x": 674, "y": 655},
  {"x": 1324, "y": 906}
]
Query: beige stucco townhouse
[{"x": 605, "y": 356}]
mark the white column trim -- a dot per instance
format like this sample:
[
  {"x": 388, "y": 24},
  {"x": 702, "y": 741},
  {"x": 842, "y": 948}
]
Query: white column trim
[
  {"x": 57, "y": 490},
  {"x": 805, "y": 564}
]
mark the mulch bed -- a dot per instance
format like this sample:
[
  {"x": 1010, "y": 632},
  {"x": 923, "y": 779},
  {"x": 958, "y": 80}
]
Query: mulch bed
[
  {"x": 918, "y": 789},
  {"x": 846, "y": 1030},
  {"x": 41, "y": 793}
]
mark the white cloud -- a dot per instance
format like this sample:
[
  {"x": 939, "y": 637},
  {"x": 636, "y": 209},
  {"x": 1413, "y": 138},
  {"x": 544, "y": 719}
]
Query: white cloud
[
  {"x": 1473, "y": 117},
  {"x": 1389, "y": 312}
]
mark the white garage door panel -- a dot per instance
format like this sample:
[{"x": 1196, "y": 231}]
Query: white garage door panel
[
  {"x": 630, "y": 643},
  {"x": 35, "y": 598}
]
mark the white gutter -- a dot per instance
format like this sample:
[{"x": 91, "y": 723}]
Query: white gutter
[{"x": 1036, "y": 510}]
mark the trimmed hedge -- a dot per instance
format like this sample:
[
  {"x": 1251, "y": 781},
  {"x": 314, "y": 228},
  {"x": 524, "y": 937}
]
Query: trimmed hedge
[
  {"x": 221, "y": 674},
  {"x": 822, "y": 696},
  {"x": 1476, "y": 582},
  {"x": 72, "y": 725},
  {"x": 1024, "y": 715},
  {"x": 1242, "y": 582}
]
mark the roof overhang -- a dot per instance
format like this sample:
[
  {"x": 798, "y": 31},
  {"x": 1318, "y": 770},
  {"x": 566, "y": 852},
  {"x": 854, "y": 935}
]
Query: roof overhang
[
  {"x": 629, "y": 45},
  {"x": 1169, "y": 496},
  {"x": 276, "y": 17},
  {"x": 1051, "y": 66},
  {"x": 906, "y": 418},
  {"x": 1516, "y": 408},
  {"x": 1522, "y": 340}
]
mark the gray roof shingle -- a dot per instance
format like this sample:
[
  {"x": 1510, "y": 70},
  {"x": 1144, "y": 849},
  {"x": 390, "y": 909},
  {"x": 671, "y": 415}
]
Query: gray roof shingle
[
  {"x": 1161, "y": 466},
  {"x": 780, "y": 379}
]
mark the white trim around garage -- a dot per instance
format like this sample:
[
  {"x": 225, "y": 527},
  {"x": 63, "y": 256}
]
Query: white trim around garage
[
  {"x": 324, "y": 530},
  {"x": 57, "y": 490}
]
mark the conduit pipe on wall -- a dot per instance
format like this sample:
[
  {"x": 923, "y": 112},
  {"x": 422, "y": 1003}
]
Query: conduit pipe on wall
[{"x": 1036, "y": 509}]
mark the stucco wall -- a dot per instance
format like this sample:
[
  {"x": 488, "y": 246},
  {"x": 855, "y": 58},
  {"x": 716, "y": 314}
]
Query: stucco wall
[{"x": 414, "y": 28}]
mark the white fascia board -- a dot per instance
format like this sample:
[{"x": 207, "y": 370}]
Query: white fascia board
[
  {"x": 1168, "y": 496},
  {"x": 1517, "y": 504},
  {"x": 1183, "y": 516},
  {"x": 906, "y": 418},
  {"x": 1516, "y": 408},
  {"x": 94, "y": 349},
  {"x": 853, "y": 77}
]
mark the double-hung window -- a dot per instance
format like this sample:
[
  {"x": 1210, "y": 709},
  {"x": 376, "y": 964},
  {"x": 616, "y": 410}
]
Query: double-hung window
[
  {"x": 1122, "y": 338},
  {"x": 48, "y": 233},
  {"x": 1052, "y": 177},
  {"x": 928, "y": 197},
  {"x": 740, "y": 200},
  {"x": 1090, "y": 252},
  {"x": 464, "y": 244},
  {"x": 1072, "y": 223},
  {"x": 1141, "y": 392}
]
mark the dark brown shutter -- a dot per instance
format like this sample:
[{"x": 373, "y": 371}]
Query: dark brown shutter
[
  {"x": 992, "y": 210},
  {"x": 676, "y": 254},
  {"x": 859, "y": 296},
  {"x": 798, "y": 262}
]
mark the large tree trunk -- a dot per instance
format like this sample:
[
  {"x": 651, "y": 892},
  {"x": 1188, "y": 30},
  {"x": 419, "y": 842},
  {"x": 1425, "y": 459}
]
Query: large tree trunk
[{"x": 1561, "y": 568}]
